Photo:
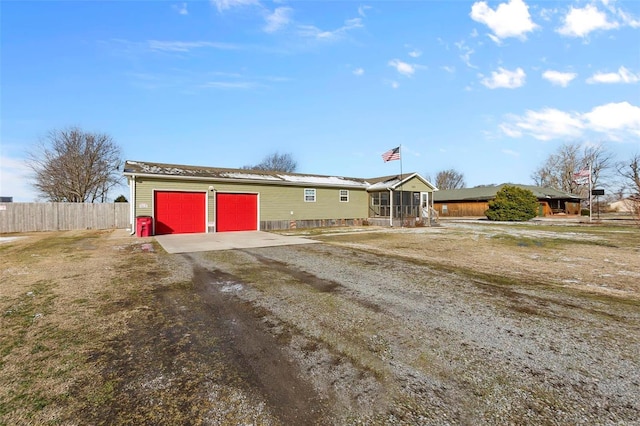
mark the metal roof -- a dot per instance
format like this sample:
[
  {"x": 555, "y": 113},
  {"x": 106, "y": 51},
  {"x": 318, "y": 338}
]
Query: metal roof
[
  {"x": 178, "y": 171},
  {"x": 140, "y": 168},
  {"x": 485, "y": 193},
  {"x": 395, "y": 182}
]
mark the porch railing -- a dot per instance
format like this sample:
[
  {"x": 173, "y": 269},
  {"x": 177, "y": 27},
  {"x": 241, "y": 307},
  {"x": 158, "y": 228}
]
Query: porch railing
[{"x": 383, "y": 211}]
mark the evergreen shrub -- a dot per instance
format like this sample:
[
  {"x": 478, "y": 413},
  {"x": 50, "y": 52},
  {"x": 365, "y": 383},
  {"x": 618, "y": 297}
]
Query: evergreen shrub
[{"x": 513, "y": 204}]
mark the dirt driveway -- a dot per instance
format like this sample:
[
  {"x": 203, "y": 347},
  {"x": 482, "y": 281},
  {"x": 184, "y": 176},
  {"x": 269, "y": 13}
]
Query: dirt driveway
[{"x": 465, "y": 324}]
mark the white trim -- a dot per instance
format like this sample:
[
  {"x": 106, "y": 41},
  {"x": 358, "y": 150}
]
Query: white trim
[
  {"x": 132, "y": 204},
  {"x": 394, "y": 183},
  {"x": 153, "y": 204},
  {"x": 425, "y": 194},
  {"x": 340, "y": 195},
  {"x": 315, "y": 195},
  {"x": 391, "y": 207}
]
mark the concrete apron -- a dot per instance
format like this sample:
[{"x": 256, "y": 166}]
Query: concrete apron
[{"x": 188, "y": 243}]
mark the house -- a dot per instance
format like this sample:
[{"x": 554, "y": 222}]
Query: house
[
  {"x": 474, "y": 202},
  {"x": 626, "y": 205},
  {"x": 192, "y": 199}
]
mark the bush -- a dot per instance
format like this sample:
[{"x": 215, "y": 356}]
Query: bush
[{"x": 513, "y": 204}]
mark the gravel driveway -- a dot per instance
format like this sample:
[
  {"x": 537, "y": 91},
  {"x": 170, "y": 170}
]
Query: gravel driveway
[
  {"x": 462, "y": 324},
  {"x": 362, "y": 338}
]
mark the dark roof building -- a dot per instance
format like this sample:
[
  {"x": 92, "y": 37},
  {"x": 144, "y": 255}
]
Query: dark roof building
[{"x": 474, "y": 201}]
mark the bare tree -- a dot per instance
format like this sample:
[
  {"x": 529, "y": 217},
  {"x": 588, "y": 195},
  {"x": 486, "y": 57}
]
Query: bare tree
[
  {"x": 602, "y": 163},
  {"x": 75, "y": 166},
  {"x": 558, "y": 170},
  {"x": 276, "y": 162},
  {"x": 449, "y": 179},
  {"x": 630, "y": 172}
]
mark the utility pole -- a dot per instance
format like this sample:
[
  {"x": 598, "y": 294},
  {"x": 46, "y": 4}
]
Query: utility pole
[{"x": 590, "y": 196}]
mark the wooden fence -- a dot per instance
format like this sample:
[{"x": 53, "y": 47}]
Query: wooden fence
[{"x": 28, "y": 217}]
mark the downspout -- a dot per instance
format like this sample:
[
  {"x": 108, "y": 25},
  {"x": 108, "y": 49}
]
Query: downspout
[
  {"x": 132, "y": 206},
  {"x": 391, "y": 207},
  {"x": 432, "y": 209}
]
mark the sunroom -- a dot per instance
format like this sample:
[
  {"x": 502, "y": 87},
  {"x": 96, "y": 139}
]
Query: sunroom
[{"x": 401, "y": 200}]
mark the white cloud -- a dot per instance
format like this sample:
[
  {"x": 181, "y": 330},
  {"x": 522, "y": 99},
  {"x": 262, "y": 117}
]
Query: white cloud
[
  {"x": 241, "y": 85},
  {"x": 511, "y": 19},
  {"x": 181, "y": 8},
  {"x": 505, "y": 79},
  {"x": 559, "y": 78},
  {"x": 280, "y": 18},
  {"x": 510, "y": 130},
  {"x": 362, "y": 10},
  {"x": 186, "y": 46},
  {"x": 311, "y": 31},
  {"x": 614, "y": 118},
  {"x": 547, "y": 124},
  {"x": 358, "y": 71},
  {"x": 580, "y": 22},
  {"x": 465, "y": 53},
  {"x": 394, "y": 84},
  {"x": 402, "y": 67},
  {"x": 627, "y": 19},
  {"x": 547, "y": 14},
  {"x": 449, "y": 69},
  {"x": 229, "y": 4},
  {"x": 615, "y": 121},
  {"x": 622, "y": 76},
  {"x": 14, "y": 180},
  {"x": 415, "y": 53}
]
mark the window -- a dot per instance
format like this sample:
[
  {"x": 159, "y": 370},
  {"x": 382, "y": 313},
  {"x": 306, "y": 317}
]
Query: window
[
  {"x": 445, "y": 209},
  {"x": 380, "y": 199},
  {"x": 309, "y": 195},
  {"x": 344, "y": 195}
]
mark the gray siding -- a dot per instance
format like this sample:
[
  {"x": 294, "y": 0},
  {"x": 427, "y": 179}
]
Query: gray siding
[{"x": 29, "y": 217}]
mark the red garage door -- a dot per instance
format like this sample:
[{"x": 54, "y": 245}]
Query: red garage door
[
  {"x": 180, "y": 212},
  {"x": 236, "y": 212}
]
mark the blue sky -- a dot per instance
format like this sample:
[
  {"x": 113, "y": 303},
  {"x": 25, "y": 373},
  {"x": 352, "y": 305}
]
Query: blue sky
[{"x": 489, "y": 88}]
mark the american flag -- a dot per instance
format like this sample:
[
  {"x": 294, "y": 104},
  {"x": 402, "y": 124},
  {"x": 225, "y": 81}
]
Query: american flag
[
  {"x": 392, "y": 154},
  {"x": 582, "y": 176}
]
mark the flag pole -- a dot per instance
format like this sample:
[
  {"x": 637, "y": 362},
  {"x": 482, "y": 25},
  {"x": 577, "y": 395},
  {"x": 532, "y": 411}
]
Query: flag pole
[
  {"x": 589, "y": 191},
  {"x": 401, "y": 194}
]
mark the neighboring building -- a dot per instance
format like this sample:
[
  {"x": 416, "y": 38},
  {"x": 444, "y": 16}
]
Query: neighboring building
[
  {"x": 473, "y": 202},
  {"x": 190, "y": 199},
  {"x": 6, "y": 199},
  {"x": 626, "y": 205}
]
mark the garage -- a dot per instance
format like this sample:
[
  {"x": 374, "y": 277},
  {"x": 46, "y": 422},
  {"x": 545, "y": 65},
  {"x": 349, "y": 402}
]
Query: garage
[
  {"x": 180, "y": 212},
  {"x": 236, "y": 212}
]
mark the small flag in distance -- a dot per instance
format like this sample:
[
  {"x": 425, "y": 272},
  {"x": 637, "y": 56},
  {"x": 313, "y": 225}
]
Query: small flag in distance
[
  {"x": 392, "y": 154},
  {"x": 582, "y": 173},
  {"x": 581, "y": 177}
]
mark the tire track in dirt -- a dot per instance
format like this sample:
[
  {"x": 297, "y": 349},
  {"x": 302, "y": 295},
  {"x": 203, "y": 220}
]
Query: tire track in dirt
[
  {"x": 255, "y": 353},
  {"x": 320, "y": 284}
]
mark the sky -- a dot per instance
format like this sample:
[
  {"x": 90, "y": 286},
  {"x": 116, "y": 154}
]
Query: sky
[{"x": 488, "y": 88}]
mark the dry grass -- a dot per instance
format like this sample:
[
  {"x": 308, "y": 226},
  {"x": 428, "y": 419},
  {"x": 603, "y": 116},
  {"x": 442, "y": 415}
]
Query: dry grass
[
  {"x": 63, "y": 296},
  {"x": 595, "y": 259},
  {"x": 75, "y": 305}
]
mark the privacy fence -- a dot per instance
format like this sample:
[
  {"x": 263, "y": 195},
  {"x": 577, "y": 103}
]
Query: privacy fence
[{"x": 28, "y": 217}]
